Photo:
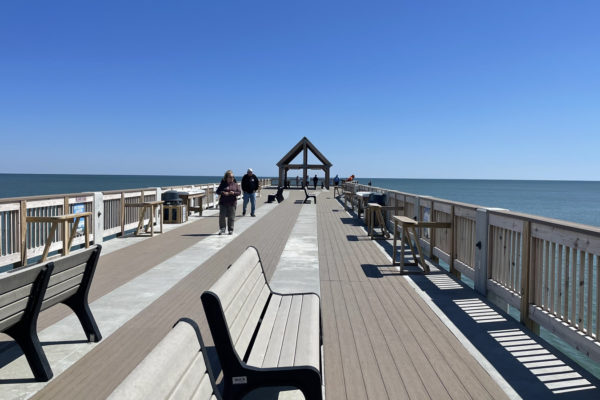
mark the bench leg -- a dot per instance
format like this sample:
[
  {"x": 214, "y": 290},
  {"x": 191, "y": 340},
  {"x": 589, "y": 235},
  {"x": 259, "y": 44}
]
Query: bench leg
[
  {"x": 81, "y": 308},
  {"x": 306, "y": 380},
  {"x": 26, "y": 337}
]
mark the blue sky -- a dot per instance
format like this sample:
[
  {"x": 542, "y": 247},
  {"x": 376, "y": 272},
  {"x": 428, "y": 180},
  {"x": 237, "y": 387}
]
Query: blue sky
[{"x": 407, "y": 89}]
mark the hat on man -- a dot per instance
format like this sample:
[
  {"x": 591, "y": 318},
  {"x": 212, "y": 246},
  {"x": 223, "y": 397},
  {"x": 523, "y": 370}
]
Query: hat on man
[{"x": 249, "y": 170}]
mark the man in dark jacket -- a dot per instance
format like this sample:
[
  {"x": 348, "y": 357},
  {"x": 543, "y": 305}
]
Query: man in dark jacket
[{"x": 250, "y": 185}]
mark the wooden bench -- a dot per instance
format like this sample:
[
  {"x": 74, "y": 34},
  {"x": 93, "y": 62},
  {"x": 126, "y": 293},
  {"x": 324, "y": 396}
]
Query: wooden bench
[
  {"x": 263, "y": 338},
  {"x": 177, "y": 368},
  {"x": 28, "y": 290},
  {"x": 309, "y": 195}
]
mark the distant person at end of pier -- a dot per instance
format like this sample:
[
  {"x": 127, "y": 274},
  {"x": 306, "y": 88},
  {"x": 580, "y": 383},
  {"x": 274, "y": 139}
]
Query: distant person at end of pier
[
  {"x": 228, "y": 192},
  {"x": 297, "y": 181},
  {"x": 336, "y": 180},
  {"x": 250, "y": 185},
  {"x": 315, "y": 181},
  {"x": 369, "y": 183}
]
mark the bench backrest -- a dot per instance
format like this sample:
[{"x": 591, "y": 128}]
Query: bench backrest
[
  {"x": 177, "y": 368},
  {"x": 18, "y": 289},
  {"x": 243, "y": 294},
  {"x": 71, "y": 274}
]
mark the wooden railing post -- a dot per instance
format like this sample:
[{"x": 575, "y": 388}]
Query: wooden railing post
[
  {"x": 453, "y": 229},
  {"x": 122, "y": 213},
  {"x": 23, "y": 226},
  {"x": 481, "y": 251},
  {"x": 65, "y": 228},
  {"x": 157, "y": 210},
  {"x": 527, "y": 277},
  {"x": 98, "y": 217}
]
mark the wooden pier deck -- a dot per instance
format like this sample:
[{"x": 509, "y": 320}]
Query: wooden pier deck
[{"x": 382, "y": 340}]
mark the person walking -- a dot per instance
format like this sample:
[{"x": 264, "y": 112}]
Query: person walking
[
  {"x": 250, "y": 185},
  {"x": 315, "y": 181},
  {"x": 336, "y": 180},
  {"x": 228, "y": 192}
]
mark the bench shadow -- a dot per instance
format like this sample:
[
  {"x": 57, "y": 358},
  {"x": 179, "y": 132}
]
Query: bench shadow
[
  {"x": 10, "y": 351},
  {"x": 198, "y": 234},
  {"x": 350, "y": 221},
  {"x": 371, "y": 270}
]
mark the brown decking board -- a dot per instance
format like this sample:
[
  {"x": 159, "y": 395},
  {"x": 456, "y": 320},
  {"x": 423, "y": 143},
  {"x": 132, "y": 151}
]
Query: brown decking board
[
  {"x": 385, "y": 342},
  {"x": 103, "y": 368}
]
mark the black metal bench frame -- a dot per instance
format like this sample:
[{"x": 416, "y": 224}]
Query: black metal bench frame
[
  {"x": 309, "y": 195},
  {"x": 241, "y": 378},
  {"x": 278, "y": 196},
  {"x": 24, "y": 331}
]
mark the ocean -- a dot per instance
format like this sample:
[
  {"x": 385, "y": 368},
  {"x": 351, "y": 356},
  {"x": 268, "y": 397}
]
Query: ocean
[{"x": 575, "y": 201}]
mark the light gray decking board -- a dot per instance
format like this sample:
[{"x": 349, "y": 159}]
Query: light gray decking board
[
  {"x": 103, "y": 368},
  {"x": 353, "y": 379},
  {"x": 371, "y": 369}
]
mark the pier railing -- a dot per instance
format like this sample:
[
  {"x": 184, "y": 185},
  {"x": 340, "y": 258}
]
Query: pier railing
[
  {"x": 547, "y": 269},
  {"x": 110, "y": 217}
]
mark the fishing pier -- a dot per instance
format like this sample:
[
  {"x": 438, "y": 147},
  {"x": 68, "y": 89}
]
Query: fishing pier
[{"x": 386, "y": 334}]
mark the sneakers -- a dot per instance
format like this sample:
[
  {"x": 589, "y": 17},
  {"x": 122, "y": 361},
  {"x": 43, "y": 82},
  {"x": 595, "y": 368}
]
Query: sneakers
[
  {"x": 243, "y": 213},
  {"x": 253, "y": 215},
  {"x": 221, "y": 231},
  {"x": 231, "y": 232}
]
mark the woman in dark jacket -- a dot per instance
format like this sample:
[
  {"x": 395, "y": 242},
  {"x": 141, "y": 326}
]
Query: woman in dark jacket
[{"x": 228, "y": 192}]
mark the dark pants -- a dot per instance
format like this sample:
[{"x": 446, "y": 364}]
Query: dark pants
[{"x": 226, "y": 212}]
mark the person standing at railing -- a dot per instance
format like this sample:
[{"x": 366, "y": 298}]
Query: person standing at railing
[
  {"x": 228, "y": 192},
  {"x": 315, "y": 181},
  {"x": 250, "y": 185}
]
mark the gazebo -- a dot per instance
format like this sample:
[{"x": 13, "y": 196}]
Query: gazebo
[{"x": 304, "y": 145}]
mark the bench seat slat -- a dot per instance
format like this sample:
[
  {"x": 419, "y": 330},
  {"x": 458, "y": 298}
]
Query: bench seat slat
[
  {"x": 16, "y": 278},
  {"x": 74, "y": 259},
  {"x": 288, "y": 347},
  {"x": 309, "y": 340},
  {"x": 13, "y": 308},
  {"x": 204, "y": 390},
  {"x": 15, "y": 295},
  {"x": 259, "y": 350},
  {"x": 10, "y": 321},
  {"x": 233, "y": 309},
  {"x": 276, "y": 339},
  {"x": 245, "y": 336},
  {"x": 160, "y": 372},
  {"x": 191, "y": 379},
  {"x": 62, "y": 287},
  {"x": 228, "y": 285},
  {"x": 50, "y": 301},
  {"x": 66, "y": 275}
]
